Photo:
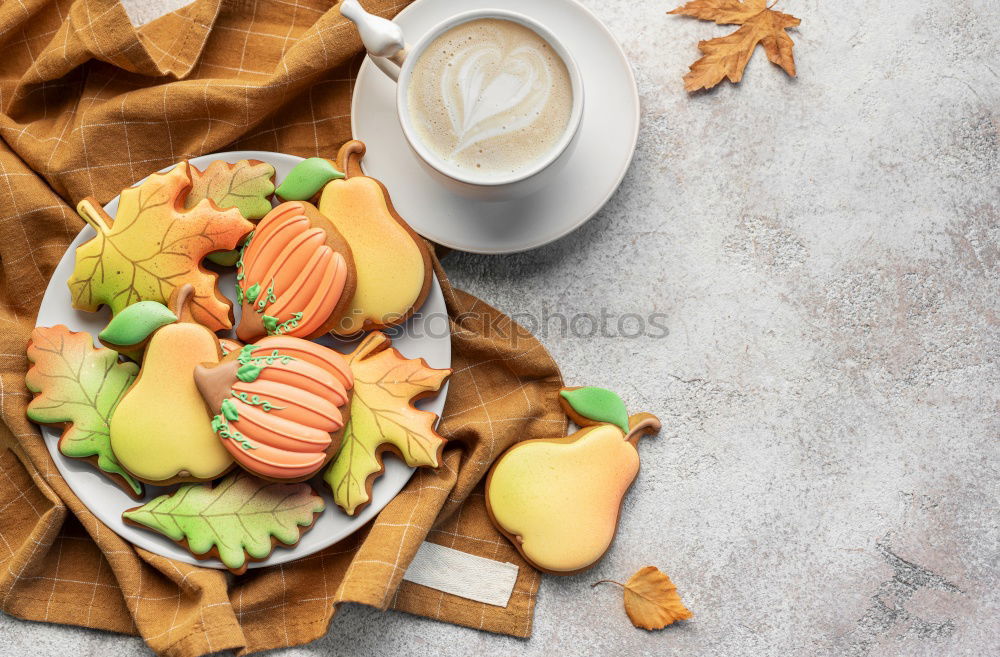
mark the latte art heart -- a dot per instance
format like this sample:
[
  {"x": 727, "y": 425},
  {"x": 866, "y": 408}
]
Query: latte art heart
[
  {"x": 482, "y": 106},
  {"x": 489, "y": 97}
]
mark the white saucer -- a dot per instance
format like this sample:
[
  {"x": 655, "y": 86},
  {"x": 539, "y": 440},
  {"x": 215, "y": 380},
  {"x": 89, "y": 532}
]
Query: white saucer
[
  {"x": 603, "y": 151},
  {"x": 424, "y": 335}
]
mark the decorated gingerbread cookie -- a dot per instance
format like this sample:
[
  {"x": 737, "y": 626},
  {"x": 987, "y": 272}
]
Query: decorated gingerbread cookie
[
  {"x": 78, "y": 388},
  {"x": 392, "y": 262},
  {"x": 228, "y": 346},
  {"x": 383, "y": 418},
  {"x": 246, "y": 185},
  {"x": 558, "y": 499},
  {"x": 279, "y": 405},
  {"x": 295, "y": 275},
  {"x": 239, "y": 520},
  {"x": 161, "y": 432},
  {"x": 153, "y": 246}
]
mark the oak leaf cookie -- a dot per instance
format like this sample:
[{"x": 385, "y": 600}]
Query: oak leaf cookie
[
  {"x": 79, "y": 387},
  {"x": 239, "y": 520},
  {"x": 246, "y": 185}
]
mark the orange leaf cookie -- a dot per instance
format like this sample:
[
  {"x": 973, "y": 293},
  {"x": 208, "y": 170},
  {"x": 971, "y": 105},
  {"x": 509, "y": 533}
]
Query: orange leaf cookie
[
  {"x": 277, "y": 405},
  {"x": 78, "y": 387},
  {"x": 558, "y": 499},
  {"x": 383, "y": 418},
  {"x": 154, "y": 246},
  {"x": 295, "y": 275}
]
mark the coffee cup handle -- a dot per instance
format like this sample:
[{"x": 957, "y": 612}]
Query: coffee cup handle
[{"x": 382, "y": 38}]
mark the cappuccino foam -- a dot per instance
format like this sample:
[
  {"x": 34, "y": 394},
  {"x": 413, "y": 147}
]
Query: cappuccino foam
[{"x": 489, "y": 97}]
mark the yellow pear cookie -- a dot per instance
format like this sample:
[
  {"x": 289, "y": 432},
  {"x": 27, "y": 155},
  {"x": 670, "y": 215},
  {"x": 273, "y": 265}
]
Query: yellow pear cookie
[
  {"x": 161, "y": 431},
  {"x": 392, "y": 262},
  {"x": 558, "y": 499}
]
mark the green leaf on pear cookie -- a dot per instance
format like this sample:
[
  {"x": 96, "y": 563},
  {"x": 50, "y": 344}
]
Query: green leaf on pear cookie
[
  {"x": 307, "y": 178},
  {"x": 136, "y": 323},
  {"x": 597, "y": 405},
  {"x": 80, "y": 386}
]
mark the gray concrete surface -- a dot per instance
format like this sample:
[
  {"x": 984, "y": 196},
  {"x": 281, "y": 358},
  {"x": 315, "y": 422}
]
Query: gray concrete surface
[{"x": 826, "y": 252}]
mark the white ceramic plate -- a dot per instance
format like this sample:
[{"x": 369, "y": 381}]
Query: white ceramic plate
[
  {"x": 424, "y": 335},
  {"x": 602, "y": 154}
]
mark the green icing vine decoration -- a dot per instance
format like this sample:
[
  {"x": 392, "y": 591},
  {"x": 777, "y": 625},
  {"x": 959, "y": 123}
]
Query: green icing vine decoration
[
  {"x": 239, "y": 271},
  {"x": 251, "y": 366},
  {"x": 290, "y": 324},
  {"x": 255, "y": 400},
  {"x": 243, "y": 250},
  {"x": 269, "y": 297},
  {"x": 220, "y": 425}
]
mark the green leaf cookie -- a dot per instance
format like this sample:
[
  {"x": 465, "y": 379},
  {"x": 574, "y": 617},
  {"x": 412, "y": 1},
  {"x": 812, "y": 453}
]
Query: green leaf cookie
[
  {"x": 234, "y": 520},
  {"x": 246, "y": 185}
]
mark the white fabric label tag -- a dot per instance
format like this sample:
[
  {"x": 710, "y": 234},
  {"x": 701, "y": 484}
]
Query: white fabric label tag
[{"x": 462, "y": 574}]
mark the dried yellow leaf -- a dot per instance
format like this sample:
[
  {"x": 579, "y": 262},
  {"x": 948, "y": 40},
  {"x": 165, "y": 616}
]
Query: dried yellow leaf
[{"x": 651, "y": 599}]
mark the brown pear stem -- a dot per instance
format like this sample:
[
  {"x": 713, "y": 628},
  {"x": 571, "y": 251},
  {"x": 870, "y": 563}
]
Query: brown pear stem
[
  {"x": 182, "y": 299},
  {"x": 349, "y": 158},
  {"x": 94, "y": 215},
  {"x": 642, "y": 424}
]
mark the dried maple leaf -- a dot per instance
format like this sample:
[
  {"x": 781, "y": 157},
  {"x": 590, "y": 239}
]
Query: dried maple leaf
[
  {"x": 154, "y": 246},
  {"x": 246, "y": 185},
  {"x": 651, "y": 599},
  {"x": 78, "y": 386},
  {"x": 726, "y": 57},
  {"x": 383, "y": 418}
]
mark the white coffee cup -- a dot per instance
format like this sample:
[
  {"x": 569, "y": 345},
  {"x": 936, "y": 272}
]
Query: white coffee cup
[{"x": 389, "y": 51}]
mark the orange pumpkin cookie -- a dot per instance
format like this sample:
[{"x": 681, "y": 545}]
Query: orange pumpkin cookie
[
  {"x": 558, "y": 499},
  {"x": 160, "y": 431},
  {"x": 280, "y": 405},
  {"x": 392, "y": 262},
  {"x": 295, "y": 275}
]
